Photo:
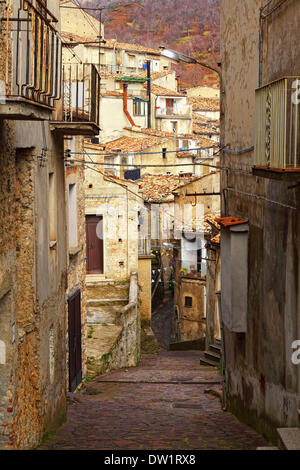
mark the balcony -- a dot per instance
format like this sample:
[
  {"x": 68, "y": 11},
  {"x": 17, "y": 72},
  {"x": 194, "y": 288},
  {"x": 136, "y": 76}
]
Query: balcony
[
  {"x": 31, "y": 52},
  {"x": 80, "y": 106},
  {"x": 277, "y": 130},
  {"x": 177, "y": 111}
]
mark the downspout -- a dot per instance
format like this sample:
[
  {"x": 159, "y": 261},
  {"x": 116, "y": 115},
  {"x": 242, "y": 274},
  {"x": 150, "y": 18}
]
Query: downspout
[
  {"x": 126, "y": 112},
  {"x": 149, "y": 92}
]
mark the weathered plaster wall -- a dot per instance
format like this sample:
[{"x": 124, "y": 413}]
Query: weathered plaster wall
[
  {"x": 145, "y": 283},
  {"x": 8, "y": 286},
  {"x": 74, "y": 174},
  {"x": 119, "y": 209},
  {"x": 262, "y": 383}
]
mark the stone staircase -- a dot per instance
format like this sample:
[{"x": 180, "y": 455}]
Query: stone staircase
[
  {"x": 212, "y": 357},
  {"x": 104, "y": 300}
]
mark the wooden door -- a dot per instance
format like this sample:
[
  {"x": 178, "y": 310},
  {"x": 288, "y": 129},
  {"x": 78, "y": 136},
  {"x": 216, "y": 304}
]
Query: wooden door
[
  {"x": 75, "y": 361},
  {"x": 94, "y": 244}
]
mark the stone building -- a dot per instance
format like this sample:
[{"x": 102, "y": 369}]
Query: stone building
[
  {"x": 76, "y": 301},
  {"x": 260, "y": 244},
  {"x": 36, "y": 257},
  {"x": 33, "y": 250},
  {"x": 112, "y": 205},
  {"x": 194, "y": 202}
]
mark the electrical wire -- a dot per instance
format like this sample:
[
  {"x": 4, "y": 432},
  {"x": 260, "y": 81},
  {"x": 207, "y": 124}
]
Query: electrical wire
[{"x": 112, "y": 154}]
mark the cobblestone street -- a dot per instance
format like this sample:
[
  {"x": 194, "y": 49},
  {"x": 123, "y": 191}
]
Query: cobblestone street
[{"x": 168, "y": 402}]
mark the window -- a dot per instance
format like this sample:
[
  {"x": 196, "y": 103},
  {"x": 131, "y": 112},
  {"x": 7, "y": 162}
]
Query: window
[
  {"x": 199, "y": 260},
  {"x": 188, "y": 302},
  {"x": 164, "y": 153},
  {"x": 52, "y": 210},
  {"x": 139, "y": 107},
  {"x": 73, "y": 238},
  {"x": 109, "y": 165}
]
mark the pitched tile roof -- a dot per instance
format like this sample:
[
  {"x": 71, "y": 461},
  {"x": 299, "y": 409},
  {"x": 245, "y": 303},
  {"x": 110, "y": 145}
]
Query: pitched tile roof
[
  {"x": 159, "y": 133},
  {"x": 131, "y": 144},
  {"x": 72, "y": 38},
  {"x": 204, "y": 104},
  {"x": 159, "y": 188},
  {"x": 160, "y": 91}
]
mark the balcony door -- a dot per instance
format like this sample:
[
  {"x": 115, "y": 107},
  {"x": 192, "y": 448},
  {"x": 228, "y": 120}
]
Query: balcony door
[
  {"x": 169, "y": 106},
  {"x": 94, "y": 244}
]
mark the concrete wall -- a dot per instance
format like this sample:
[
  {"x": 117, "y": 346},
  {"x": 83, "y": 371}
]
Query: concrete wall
[{"x": 263, "y": 385}]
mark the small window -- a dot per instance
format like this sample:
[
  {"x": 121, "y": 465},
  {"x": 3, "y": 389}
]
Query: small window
[
  {"x": 188, "y": 302},
  {"x": 139, "y": 108},
  {"x": 164, "y": 153}
]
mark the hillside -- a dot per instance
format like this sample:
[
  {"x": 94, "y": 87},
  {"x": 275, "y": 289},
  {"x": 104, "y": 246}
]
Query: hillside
[{"x": 191, "y": 26}]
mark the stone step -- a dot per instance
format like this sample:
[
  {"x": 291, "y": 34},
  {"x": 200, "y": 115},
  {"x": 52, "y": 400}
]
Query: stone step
[
  {"x": 267, "y": 448},
  {"x": 101, "y": 348},
  {"x": 107, "y": 290},
  {"x": 212, "y": 356},
  {"x": 289, "y": 438},
  {"x": 218, "y": 342},
  {"x": 101, "y": 315},
  {"x": 194, "y": 345},
  {"x": 107, "y": 302},
  {"x": 215, "y": 348},
  {"x": 207, "y": 362}
]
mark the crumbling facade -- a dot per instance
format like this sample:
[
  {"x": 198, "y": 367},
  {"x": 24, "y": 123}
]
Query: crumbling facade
[{"x": 260, "y": 239}]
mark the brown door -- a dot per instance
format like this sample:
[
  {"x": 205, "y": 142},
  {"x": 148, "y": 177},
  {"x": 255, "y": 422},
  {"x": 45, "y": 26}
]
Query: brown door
[
  {"x": 75, "y": 363},
  {"x": 94, "y": 244}
]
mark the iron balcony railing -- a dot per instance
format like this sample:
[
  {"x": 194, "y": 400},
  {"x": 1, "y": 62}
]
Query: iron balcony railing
[
  {"x": 277, "y": 124},
  {"x": 81, "y": 93},
  {"x": 32, "y": 51}
]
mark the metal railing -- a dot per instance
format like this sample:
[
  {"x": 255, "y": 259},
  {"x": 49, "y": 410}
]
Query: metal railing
[
  {"x": 176, "y": 110},
  {"x": 81, "y": 93},
  {"x": 277, "y": 124},
  {"x": 32, "y": 51}
]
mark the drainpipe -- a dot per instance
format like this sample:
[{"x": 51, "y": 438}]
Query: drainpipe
[
  {"x": 223, "y": 352},
  {"x": 149, "y": 92},
  {"x": 126, "y": 112}
]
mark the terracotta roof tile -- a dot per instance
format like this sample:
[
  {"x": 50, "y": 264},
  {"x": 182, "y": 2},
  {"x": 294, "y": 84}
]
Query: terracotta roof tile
[
  {"x": 204, "y": 104},
  {"x": 160, "y": 91},
  {"x": 131, "y": 144},
  {"x": 159, "y": 188},
  {"x": 109, "y": 44}
]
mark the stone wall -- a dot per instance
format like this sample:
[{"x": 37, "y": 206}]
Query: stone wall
[{"x": 74, "y": 175}]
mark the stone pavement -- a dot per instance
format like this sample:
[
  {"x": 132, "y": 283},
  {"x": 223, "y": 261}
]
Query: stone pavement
[
  {"x": 161, "y": 321},
  {"x": 161, "y": 404}
]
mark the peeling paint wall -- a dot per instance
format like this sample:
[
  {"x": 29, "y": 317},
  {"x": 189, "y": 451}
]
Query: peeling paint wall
[{"x": 263, "y": 385}]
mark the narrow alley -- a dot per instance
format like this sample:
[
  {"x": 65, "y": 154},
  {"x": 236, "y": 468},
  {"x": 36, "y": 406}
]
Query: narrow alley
[{"x": 167, "y": 402}]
